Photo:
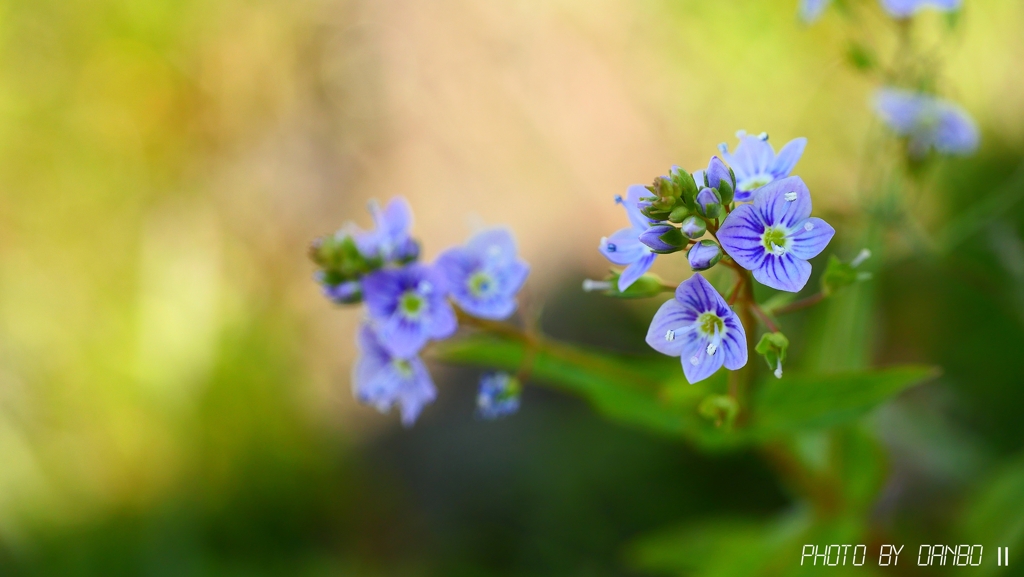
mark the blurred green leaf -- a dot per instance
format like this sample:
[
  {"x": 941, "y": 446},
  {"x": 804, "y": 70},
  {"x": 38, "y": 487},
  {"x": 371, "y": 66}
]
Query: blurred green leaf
[
  {"x": 798, "y": 403},
  {"x": 648, "y": 392},
  {"x": 725, "y": 547},
  {"x": 993, "y": 514}
]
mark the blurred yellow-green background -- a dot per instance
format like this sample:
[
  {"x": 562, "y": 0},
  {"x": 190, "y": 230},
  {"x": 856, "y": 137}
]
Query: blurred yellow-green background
[{"x": 174, "y": 391}]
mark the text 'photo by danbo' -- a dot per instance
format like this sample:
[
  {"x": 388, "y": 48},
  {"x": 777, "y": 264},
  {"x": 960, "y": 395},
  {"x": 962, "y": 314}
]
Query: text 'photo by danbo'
[{"x": 471, "y": 288}]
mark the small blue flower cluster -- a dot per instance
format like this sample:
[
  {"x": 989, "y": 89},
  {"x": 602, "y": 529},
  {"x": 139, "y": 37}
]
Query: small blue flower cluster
[
  {"x": 409, "y": 303},
  {"x": 771, "y": 234}
]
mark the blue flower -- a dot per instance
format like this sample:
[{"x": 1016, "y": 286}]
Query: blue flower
[
  {"x": 389, "y": 240},
  {"x": 498, "y": 396},
  {"x": 382, "y": 380},
  {"x": 907, "y": 8},
  {"x": 776, "y": 235},
  {"x": 624, "y": 247},
  {"x": 407, "y": 307},
  {"x": 811, "y": 10},
  {"x": 927, "y": 121},
  {"x": 756, "y": 164},
  {"x": 699, "y": 327},
  {"x": 484, "y": 276}
]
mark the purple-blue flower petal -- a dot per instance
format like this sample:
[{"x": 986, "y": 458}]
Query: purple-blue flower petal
[
  {"x": 672, "y": 315},
  {"x": 783, "y": 202},
  {"x": 632, "y": 204},
  {"x": 636, "y": 270},
  {"x": 734, "y": 344},
  {"x": 784, "y": 273},
  {"x": 741, "y": 235},
  {"x": 788, "y": 157},
  {"x": 716, "y": 173},
  {"x": 382, "y": 381},
  {"x": 810, "y": 238},
  {"x": 624, "y": 247}
]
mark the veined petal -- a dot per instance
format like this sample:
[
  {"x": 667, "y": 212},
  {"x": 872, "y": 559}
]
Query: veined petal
[
  {"x": 697, "y": 294},
  {"x": 635, "y": 271},
  {"x": 788, "y": 157},
  {"x": 672, "y": 316},
  {"x": 784, "y": 202},
  {"x": 809, "y": 238},
  {"x": 734, "y": 343},
  {"x": 784, "y": 273},
  {"x": 741, "y": 235},
  {"x": 624, "y": 247},
  {"x": 697, "y": 363}
]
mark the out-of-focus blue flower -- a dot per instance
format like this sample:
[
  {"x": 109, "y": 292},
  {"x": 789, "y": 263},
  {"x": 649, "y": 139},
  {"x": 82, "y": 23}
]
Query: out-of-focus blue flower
[
  {"x": 389, "y": 240},
  {"x": 498, "y": 396},
  {"x": 927, "y": 121},
  {"x": 484, "y": 276},
  {"x": 624, "y": 247},
  {"x": 811, "y": 10},
  {"x": 907, "y": 8},
  {"x": 407, "y": 307},
  {"x": 756, "y": 164},
  {"x": 382, "y": 380},
  {"x": 776, "y": 235},
  {"x": 699, "y": 327}
]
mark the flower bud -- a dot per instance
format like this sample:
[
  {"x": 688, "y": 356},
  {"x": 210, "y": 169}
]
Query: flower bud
[
  {"x": 663, "y": 238},
  {"x": 716, "y": 173},
  {"x": 693, "y": 227},
  {"x": 345, "y": 292},
  {"x": 709, "y": 204},
  {"x": 685, "y": 183},
  {"x": 679, "y": 213},
  {"x": 704, "y": 255},
  {"x": 773, "y": 348}
]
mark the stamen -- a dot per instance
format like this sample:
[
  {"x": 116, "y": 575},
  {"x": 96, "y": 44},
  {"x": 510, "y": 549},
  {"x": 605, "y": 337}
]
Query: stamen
[
  {"x": 723, "y": 148},
  {"x": 790, "y": 196},
  {"x": 712, "y": 348},
  {"x": 670, "y": 335},
  {"x": 590, "y": 285},
  {"x": 862, "y": 256},
  {"x": 425, "y": 287},
  {"x": 763, "y": 136},
  {"x": 778, "y": 250},
  {"x": 618, "y": 199},
  {"x": 610, "y": 247},
  {"x": 808, "y": 226},
  {"x": 778, "y": 369}
]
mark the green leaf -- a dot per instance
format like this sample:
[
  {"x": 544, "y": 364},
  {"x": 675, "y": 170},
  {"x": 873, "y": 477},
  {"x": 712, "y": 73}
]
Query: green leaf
[
  {"x": 647, "y": 392},
  {"x": 993, "y": 513},
  {"x": 797, "y": 403}
]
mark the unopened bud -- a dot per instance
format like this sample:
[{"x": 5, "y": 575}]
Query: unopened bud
[
  {"x": 663, "y": 238},
  {"x": 704, "y": 255},
  {"x": 693, "y": 227},
  {"x": 709, "y": 204}
]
